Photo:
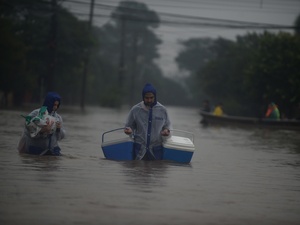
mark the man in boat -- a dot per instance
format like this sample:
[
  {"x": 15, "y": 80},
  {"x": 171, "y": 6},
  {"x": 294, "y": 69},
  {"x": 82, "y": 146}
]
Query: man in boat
[
  {"x": 149, "y": 123},
  {"x": 206, "y": 106},
  {"x": 43, "y": 128},
  {"x": 273, "y": 112}
]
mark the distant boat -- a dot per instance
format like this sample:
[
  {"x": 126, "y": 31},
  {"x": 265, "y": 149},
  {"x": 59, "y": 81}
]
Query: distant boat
[{"x": 210, "y": 119}]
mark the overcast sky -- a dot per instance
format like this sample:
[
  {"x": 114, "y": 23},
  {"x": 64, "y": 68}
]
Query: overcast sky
[{"x": 269, "y": 12}]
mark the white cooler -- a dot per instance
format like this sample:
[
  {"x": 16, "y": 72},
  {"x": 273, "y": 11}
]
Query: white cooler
[{"x": 179, "y": 149}]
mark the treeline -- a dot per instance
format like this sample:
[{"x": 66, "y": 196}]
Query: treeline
[
  {"x": 47, "y": 48},
  {"x": 246, "y": 74}
]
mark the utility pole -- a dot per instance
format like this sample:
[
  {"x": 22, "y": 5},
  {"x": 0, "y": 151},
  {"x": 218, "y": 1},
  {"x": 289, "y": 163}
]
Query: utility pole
[
  {"x": 134, "y": 66},
  {"x": 47, "y": 81},
  {"x": 122, "y": 54},
  {"x": 86, "y": 60}
]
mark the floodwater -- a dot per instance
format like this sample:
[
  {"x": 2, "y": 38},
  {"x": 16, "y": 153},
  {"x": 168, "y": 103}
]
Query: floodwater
[{"x": 236, "y": 176}]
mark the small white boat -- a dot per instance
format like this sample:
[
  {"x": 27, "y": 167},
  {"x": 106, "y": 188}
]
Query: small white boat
[{"x": 176, "y": 148}]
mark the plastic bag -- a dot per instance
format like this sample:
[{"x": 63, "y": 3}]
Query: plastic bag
[{"x": 35, "y": 124}]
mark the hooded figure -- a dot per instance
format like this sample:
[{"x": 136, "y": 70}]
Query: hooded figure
[
  {"x": 148, "y": 88},
  {"x": 273, "y": 111},
  {"x": 148, "y": 121},
  {"x": 50, "y": 99},
  {"x": 45, "y": 140}
]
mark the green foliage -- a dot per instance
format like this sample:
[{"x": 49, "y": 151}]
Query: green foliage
[
  {"x": 247, "y": 74},
  {"x": 74, "y": 42},
  {"x": 131, "y": 32},
  {"x": 45, "y": 47},
  {"x": 137, "y": 14},
  {"x": 33, "y": 46},
  {"x": 277, "y": 69},
  {"x": 196, "y": 53},
  {"x": 13, "y": 53}
]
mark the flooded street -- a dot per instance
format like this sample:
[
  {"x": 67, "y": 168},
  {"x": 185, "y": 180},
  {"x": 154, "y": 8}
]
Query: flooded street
[{"x": 236, "y": 176}]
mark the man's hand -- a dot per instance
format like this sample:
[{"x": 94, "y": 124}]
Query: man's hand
[
  {"x": 46, "y": 129},
  {"x": 128, "y": 130},
  {"x": 165, "y": 132},
  {"x": 58, "y": 125}
]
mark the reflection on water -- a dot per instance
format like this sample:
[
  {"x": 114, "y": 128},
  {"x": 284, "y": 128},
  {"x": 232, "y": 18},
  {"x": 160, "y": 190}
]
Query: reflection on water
[{"x": 237, "y": 176}]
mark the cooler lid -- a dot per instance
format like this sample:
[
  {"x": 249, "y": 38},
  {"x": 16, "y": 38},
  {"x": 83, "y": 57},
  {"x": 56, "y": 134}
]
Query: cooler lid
[
  {"x": 117, "y": 141},
  {"x": 177, "y": 142}
]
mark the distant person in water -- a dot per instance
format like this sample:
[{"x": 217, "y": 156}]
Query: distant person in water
[
  {"x": 272, "y": 112},
  {"x": 149, "y": 122},
  {"x": 43, "y": 128},
  {"x": 218, "y": 111}
]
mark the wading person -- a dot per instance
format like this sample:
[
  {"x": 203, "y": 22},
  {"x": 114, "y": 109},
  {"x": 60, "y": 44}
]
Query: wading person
[
  {"x": 43, "y": 128},
  {"x": 149, "y": 122}
]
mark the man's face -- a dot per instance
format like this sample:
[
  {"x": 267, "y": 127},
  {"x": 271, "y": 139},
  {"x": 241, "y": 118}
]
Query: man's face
[
  {"x": 149, "y": 99},
  {"x": 55, "y": 106}
]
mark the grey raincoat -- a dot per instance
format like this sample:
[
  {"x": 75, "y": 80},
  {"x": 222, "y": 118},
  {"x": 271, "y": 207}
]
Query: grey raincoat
[
  {"x": 41, "y": 142},
  {"x": 147, "y": 125}
]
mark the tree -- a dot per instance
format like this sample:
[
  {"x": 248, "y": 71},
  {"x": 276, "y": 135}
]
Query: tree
[
  {"x": 256, "y": 69},
  {"x": 195, "y": 54},
  {"x": 276, "y": 70},
  {"x": 12, "y": 65},
  {"x": 23, "y": 26},
  {"x": 73, "y": 41},
  {"x": 27, "y": 43},
  {"x": 131, "y": 45},
  {"x": 253, "y": 70},
  {"x": 26, "y": 31}
]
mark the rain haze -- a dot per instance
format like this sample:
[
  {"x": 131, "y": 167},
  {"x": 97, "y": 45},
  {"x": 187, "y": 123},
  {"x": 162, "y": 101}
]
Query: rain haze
[
  {"x": 200, "y": 18},
  {"x": 239, "y": 164}
]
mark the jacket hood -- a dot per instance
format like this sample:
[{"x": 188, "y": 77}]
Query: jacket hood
[
  {"x": 50, "y": 98},
  {"x": 148, "y": 88}
]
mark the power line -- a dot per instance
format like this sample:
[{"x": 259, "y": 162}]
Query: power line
[
  {"x": 264, "y": 5},
  {"x": 246, "y": 6},
  {"x": 168, "y": 19},
  {"x": 179, "y": 20}
]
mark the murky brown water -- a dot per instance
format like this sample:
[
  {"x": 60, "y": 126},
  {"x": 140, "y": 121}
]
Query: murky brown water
[{"x": 236, "y": 176}]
